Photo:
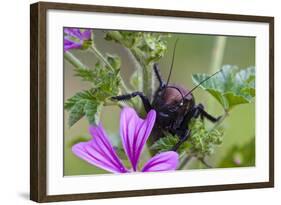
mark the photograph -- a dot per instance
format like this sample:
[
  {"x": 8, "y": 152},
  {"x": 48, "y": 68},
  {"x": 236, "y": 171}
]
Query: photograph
[
  {"x": 136, "y": 102},
  {"x": 146, "y": 101}
]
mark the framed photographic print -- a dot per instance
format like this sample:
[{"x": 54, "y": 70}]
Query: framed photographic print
[{"x": 134, "y": 102}]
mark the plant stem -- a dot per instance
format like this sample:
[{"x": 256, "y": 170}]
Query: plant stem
[
  {"x": 205, "y": 163},
  {"x": 148, "y": 82},
  {"x": 218, "y": 53},
  {"x": 97, "y": 53},
  {"x": 73, "y": 60},
  {"x": 137, "y": 68},
  {"x": 147, "y": 77},
  {"x": 217, "y": 59},
  {"x": 184, "y": 162}
]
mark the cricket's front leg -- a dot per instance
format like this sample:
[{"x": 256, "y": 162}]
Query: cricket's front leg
[{"x": 144, "y": 99}]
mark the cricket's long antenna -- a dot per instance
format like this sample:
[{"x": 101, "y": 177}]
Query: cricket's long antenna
[
  {"x": 202, "y": 82},
  {"x": 172, "y": 64}
]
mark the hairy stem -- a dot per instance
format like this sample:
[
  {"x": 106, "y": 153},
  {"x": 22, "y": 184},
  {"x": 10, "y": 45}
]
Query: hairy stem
[
  {"x": 218, "y": 53},
  {"x": 147, "y": 76},
  {"x": 184, "y": 162},
  {"x": 98, "y": 54},
  {"x": 205, "y": 163},
  {"x": 217, "y": 59},
  {"x": 137, "y": 68},
  {"x": 73, "y": 60}
]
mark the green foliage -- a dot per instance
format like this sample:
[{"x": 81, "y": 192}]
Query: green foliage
[
  {"x": 105, "y": 83},
  {"x": 230, "y": 87},
  {"x": 82, "y": 104},
  {"x": 114, "y": 61},
  {"x": 203, "y": 141},
  {"x": 146, "y": 46},
  {"x": 240, "y": 156},
  {"x": 167, "y": 143},
  {"x": 200, "y": 144},
  {"x": 85, "y": 74}
]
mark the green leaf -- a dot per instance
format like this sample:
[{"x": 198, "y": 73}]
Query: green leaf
[
  {"x": 81, "y": 104},
  {"x": 76, "y": 112},
  {"x": 85, "y": 74},
  {"x": 105, "y": 83},
  {"x": 240, "y": 156},
  {"x": 92, "y": 111},
  {"x": 166, "y": 143},
  {"x": 230, "y": 87},
  {"x": 114, "y": 61}
]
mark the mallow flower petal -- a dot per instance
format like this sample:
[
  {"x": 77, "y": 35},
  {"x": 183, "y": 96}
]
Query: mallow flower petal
[
  {"x": 74, "y": 32},
  {"x": 99, "y": 151},
  {"x": 164, "y": 161},
  {"x": 69, "y": 44},
  {"x": 86, "y": 35},
  {"x": 134, "y": 133},
  {"x": 75, "y": 37}
]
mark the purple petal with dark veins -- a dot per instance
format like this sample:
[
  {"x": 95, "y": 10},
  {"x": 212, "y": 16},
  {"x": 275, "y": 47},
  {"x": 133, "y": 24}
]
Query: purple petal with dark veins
[
  {"x": 134, "y": 133},
  {"x": 99, "y": 151},
  {"x": 164, "y": 161}
]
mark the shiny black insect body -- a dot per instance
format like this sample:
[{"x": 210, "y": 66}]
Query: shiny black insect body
[{"x": 174, "y": 105}]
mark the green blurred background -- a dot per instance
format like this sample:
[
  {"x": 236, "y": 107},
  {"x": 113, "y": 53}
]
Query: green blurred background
[{"x": 194, "y": 54}]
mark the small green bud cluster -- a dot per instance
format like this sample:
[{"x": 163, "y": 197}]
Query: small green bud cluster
[{"x": 202, "y": 141}]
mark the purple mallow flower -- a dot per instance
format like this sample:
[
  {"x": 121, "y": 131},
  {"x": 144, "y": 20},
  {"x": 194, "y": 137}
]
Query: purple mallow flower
[
  {"x": 76, "y": 38},
  {"x": 134, "y": 133}
]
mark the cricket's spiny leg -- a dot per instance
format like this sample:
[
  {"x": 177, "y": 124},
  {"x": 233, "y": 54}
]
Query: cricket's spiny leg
[
  {"x": 195, "y": 112},
  {"x": 202, "y": 113},
  {"x": 144, "y": 99}
]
